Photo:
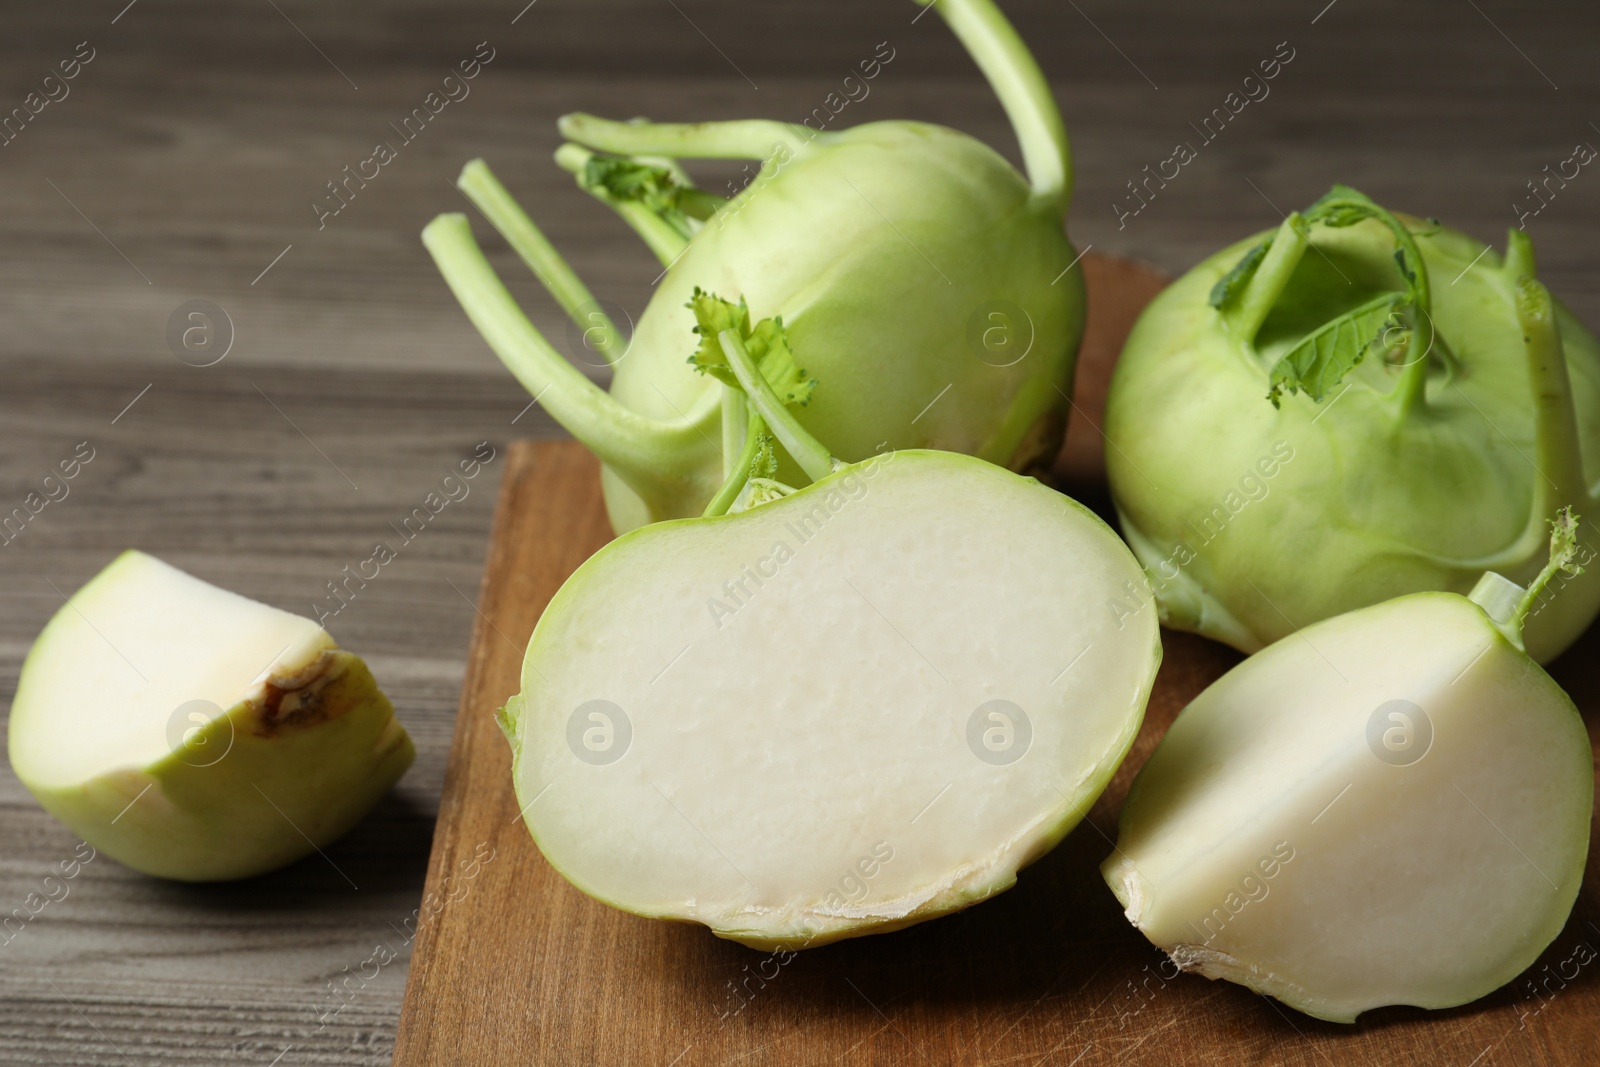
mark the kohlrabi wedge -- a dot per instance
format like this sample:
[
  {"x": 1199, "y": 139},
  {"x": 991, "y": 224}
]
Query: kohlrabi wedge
[
  {"x": 930, "y": 285},
  {"x": 1358, "y": 406},
  {"x": 834, "y": 711},
  {"x": 1389, "y": 807},
  {"x": 194, "y": 734}
]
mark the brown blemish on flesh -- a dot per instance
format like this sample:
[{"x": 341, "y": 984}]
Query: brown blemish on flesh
[{"x": 297, "y": 701}]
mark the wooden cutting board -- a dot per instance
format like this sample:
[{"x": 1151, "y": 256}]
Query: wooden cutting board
[{"x": 512, "y": 965}]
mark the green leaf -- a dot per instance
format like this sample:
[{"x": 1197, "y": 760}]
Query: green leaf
[
  {"x": 1233, "y": 283},
  {"x": 777, "y": 363},
  {"x": 712, "y": 315},
  {"x": 625, "y": 179},
  {"x": 766, "y": 342},
  {"x": 1322, "y": 358}
]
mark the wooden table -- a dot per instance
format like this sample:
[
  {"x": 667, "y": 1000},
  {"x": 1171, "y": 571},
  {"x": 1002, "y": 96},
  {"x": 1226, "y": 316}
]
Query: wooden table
[{"x": 183, "y": 164}]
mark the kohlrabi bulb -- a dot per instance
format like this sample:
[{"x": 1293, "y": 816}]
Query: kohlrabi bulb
[
  {"x": 1357, "y": 406},
  {"x": 922, "y": 280}
]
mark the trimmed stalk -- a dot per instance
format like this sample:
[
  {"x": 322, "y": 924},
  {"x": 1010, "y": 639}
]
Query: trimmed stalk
[
  {"x": 1520, "y": 260},
  {"x": 1558, "y": 457},
  {"x": 1271, "y": 277},
  {"x": 742, "y": 467},
  {"x": 647, "y": 454},
  {"x": 735, "y": 412},
  {"x": 806, "y": 450},
  {"x": 1015, "y": 77},
  {"x": 699, "y": 204},
  {"x": 1500, "y": 598},
  {"x": 480, "y": 185},
  {"x": 1411, "y": 390},
  {"x": 1556, "y": 434},
  {"x": 742, "y": 139}
]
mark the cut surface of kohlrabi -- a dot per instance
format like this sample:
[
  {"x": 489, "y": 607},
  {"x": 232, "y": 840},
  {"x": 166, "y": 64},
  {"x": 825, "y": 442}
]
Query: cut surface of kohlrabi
[
  {"x": 840, "y": 712},
  {"x": 195, "y": 734},
  {"x": 1390, "y": 807}
]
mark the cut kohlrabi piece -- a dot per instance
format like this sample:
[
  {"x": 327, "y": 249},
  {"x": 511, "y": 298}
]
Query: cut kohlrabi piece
[
  {"x": 1390, "y": 807},
  {"x": 840, "y": 711},
  {"x": 1355, "y": 407},
  {"x": 191, "y": 733}
]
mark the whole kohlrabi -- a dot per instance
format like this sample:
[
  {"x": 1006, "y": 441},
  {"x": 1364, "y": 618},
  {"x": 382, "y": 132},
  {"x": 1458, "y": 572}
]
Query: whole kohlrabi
[
  {"x": 919, "y": 277},
  {"x": 1357, "y": 406}
]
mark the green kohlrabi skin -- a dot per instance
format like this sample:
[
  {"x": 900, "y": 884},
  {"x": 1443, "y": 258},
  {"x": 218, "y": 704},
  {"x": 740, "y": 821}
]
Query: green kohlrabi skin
[
  {"x": 886, "y": 322},
  {"x": 924, "y": 281},
  {"x": 1397, "y": 475}
]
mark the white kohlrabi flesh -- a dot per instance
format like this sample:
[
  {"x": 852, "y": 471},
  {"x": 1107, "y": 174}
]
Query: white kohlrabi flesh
[
  {"x": 925, "y": 281},
  {"x": 1390, "y": 807},
  {"x": 815, "y": 714},
  {"x": 1435, "y": 406},
  {"x": 842, "y": 712},
  {"x": 195, "y": 734}
]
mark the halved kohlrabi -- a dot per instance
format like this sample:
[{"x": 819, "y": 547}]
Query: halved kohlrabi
[
  {"x": 191, "y": 733},
  {"x": 1390, "y": 807},
  {"x": 841, "y": 711}
]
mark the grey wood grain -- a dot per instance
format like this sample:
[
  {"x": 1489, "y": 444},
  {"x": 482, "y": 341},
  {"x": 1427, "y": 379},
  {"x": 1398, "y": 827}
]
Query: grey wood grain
[{"x": 186, "y": 158}]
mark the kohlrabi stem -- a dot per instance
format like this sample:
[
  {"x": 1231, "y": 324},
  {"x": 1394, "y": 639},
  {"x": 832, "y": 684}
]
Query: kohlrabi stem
[
  {"x": 738, "y": 472},
  {"x": 1520, "y": 259},
  {"x": 658, "y": 235},
  {"x": 480, "y": 185},
  {"x": 699, "y": 204},
  {"x": 1015, "y": 77},
  {"x": 643, "y": 451},
  {"x": 1270, "y": 278},
  {"x": 743, "y": 139},
  {"x": 1411, "y": 389},
  {"x": 1558, "y": 459},
  {"x": 1493, "y": 593},
  {"x": 807, "y": 451},
  {"x": 735, "y": 414},
  {"x": 1556, "y": 438}
]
